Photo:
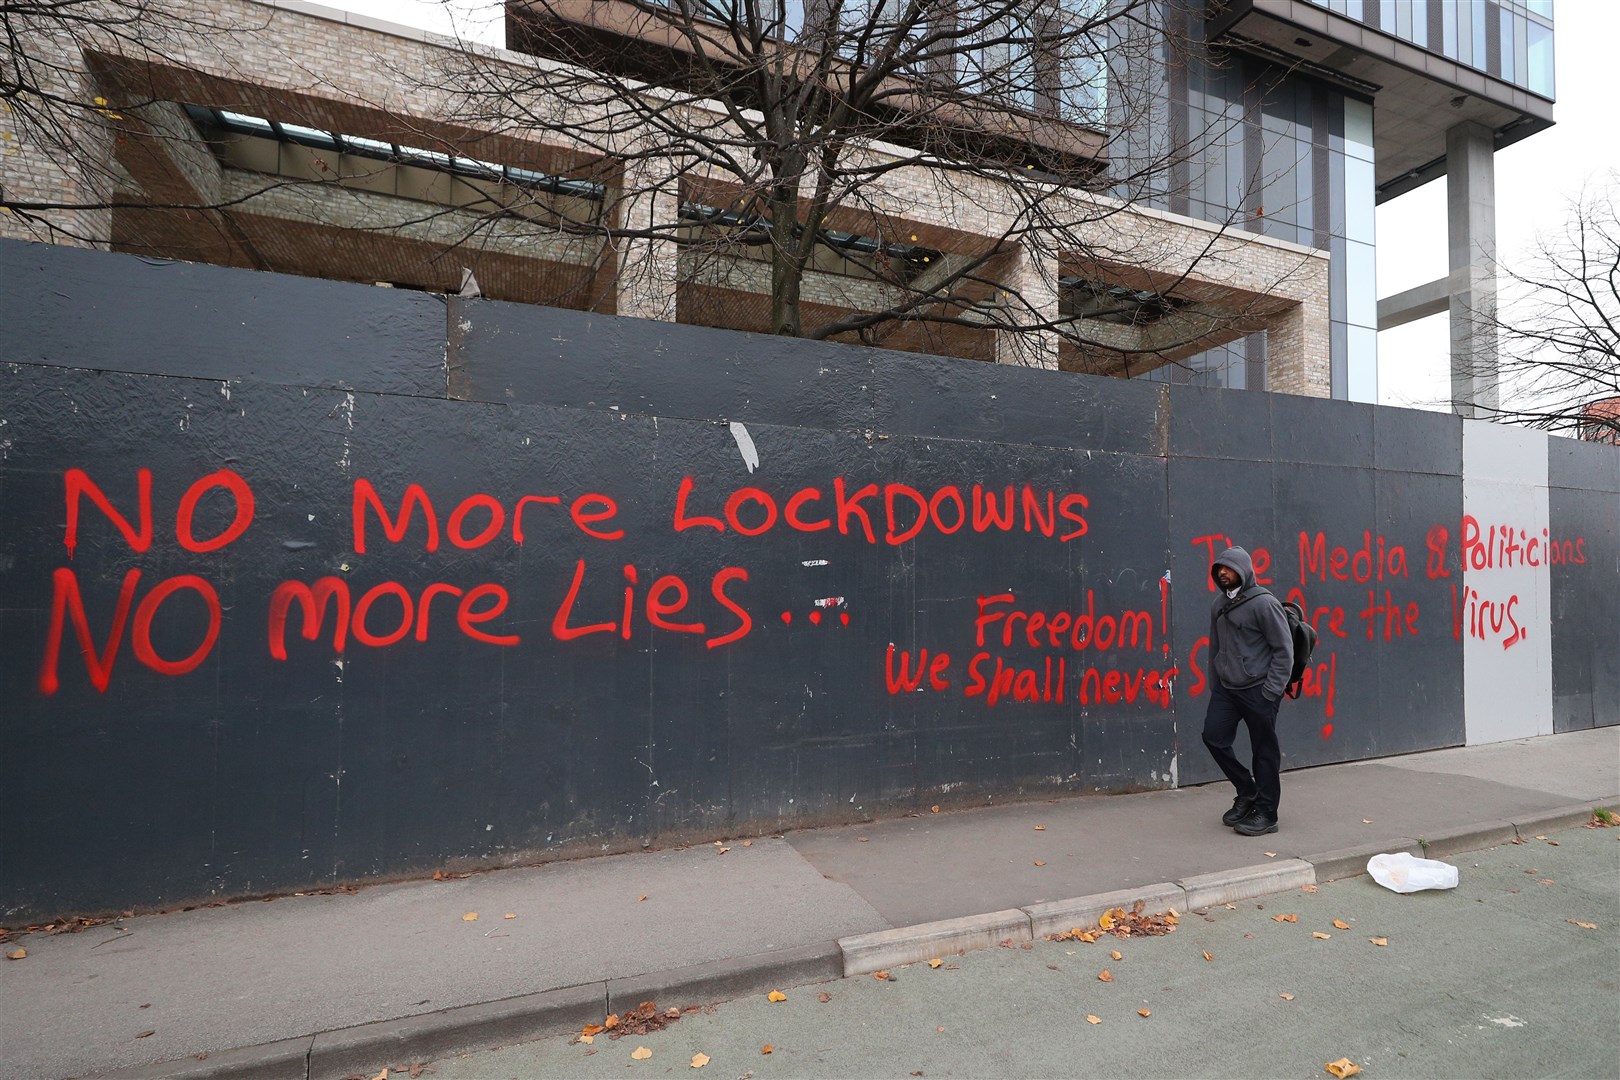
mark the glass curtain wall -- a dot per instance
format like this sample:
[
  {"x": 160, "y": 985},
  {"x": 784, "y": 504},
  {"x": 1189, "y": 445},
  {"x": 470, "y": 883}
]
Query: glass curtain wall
[
  {"x": 1509, "y": 39},
  {"x": 1282, "y": 155}
]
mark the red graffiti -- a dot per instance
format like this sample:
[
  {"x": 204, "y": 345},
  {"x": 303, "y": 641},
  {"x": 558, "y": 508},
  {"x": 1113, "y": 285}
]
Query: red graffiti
[
  {"x": 586, "y": 511},
  {"x": 1499, "y": 547},
  {"x": 1374, "y": 560},
  {"x": 1075, "y": 630},
  {"x": 656, "y": 607},
  {"x": 78, "y": 485},
  {"x": 1215, "y": 543},
  {"x": 900, "y": 510},
  {"x": 1395, "y": 619},
  {"x": 902, "y": 679},
  {"x": 1486, "y": 619},
  {"x": 67, "y": 603},
  {"x": 400, "y": 613}
]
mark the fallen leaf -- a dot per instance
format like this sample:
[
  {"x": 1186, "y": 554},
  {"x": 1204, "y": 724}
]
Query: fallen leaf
[
  {"x": 380, "y": 1076},
  {"x": 935, "y": 962},
  {"x": 748, "y": 843},
  {"x": 1582, "y": 925},
  {"x": 1541, "y": 836},
  {"x": 1552, "y": 843},
  {"x": 1173, "y": 913},
  {"x": 1231, "y": 907},
  {"x": 1207, "y": 955},
  {"x": 1116, "y": 955},
  {"x": 934, "y": 809},
  {"x": 1106, "y": 920},
  {"x": 1040, "y": 828},
  {"x": 699, "y": 1060},
  {"x": 509, "y": 915},
  {"x": 1143, "y": 1012},
  {"x": 721, "y": 851},
  {"x": 591, "y": 1030},
  {"x": 864, "y": 839},
  {"x": 640, "y": 898},
  {"x": 1039, "y": 862},
  {"x": 641, "y": 1053},
  {"x": 1105, "y": 976},
  {"x": 587, "y": 1039},
  {"x": 776, "y": 995},
  {"x": 1366, "y": 821},
  {"x": 1341, "y": 924},
  {"x": 1319, "y": 934},
  {"x": 1342, "y": 1068},
  {"x": 1093, "y": 1019},
  {"x": 1271, "y": 854},
  {"x": 767, "y": 1048},
  {"x": 1307, "y": 888},
  {"x": 611, "y": 1022},
  {"x": 824, "y": 997},
  {"x": 144, "y": 1034},
  {"x": 1286, "y": 996},
  {"x": 1381, "y": 942},
  {"x": 17, "y": 954},
  {"x": 471, "y": 916},
  {"x": 1545, "y": 881},
  {"x": 881, "y": 976},
  {"x": 1285, "y": 918}
]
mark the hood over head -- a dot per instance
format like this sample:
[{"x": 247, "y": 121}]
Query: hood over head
[{"x": 1238, "y": 559}]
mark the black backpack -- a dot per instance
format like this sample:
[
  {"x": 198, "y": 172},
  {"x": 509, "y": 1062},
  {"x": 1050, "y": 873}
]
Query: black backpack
[
  {"x": 1304, "y": 645},
  {"x": 1304, "y": 635}
]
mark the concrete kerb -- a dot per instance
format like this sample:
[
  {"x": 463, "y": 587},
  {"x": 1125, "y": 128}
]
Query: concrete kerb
[
  {"x": 1059, "y": 916},
  {"x": 1564, "y": 817},
  {"x": 368, "y": 1047},
  {"x": 286, "y": 1059},
  {"x": 727, "y": 980},
  {"x": 349, "y": 1050},
  {"x": 866, "y": 953},
  {"x": 1246, "y": 882}
]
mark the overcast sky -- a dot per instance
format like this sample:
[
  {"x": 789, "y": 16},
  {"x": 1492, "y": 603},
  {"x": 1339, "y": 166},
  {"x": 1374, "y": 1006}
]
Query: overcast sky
[{"x": 1536, "y": 179}]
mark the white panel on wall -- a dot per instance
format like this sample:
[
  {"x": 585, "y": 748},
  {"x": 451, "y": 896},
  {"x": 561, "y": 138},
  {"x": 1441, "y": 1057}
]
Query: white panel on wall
[{"x": 1502, "y": 610}]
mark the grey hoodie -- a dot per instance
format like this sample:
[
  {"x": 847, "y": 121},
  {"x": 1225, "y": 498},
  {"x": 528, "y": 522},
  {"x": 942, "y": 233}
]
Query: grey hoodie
[{"x": 1251, "y": 644}]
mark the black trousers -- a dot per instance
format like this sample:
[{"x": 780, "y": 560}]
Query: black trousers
[{"x": 1226, "y": 709}]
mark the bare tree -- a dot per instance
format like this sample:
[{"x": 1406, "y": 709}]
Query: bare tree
[
  {"x": 1558, "y": 325},
  {"x": 52, "y": 111},
  {"x": 881, "y": 169}
]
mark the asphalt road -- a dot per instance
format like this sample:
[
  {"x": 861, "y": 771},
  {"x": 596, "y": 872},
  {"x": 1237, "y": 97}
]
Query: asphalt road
[{"x": 1491, "y": 979}]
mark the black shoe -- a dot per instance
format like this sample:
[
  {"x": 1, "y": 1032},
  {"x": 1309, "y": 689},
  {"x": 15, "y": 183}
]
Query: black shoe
[
  {"x": 1240, "y": 810},
  {"x": 1257, "y": 823}
]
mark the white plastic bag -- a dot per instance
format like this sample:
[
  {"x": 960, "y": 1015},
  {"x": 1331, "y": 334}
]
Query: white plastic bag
[{"x": 1404, "y": 873}]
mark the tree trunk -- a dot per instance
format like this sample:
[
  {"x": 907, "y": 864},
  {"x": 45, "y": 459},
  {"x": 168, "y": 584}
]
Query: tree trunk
[{"x": 787, "y": 267}]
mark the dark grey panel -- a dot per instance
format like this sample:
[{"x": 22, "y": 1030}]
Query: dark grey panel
[
  {"x": 965, "y": 399},
  {"x": 1410, "y": 440},
  {"x": 1231, "y": 424},
  {"x": 1318, "y": 431},
  {"x": 71, "y": 307},
  {"x": 518, "y": 353},
  {"x": 1572, "y": 463},
  {"x": 1585, "y": 593},
  {"x": 1213, "y": 504}
]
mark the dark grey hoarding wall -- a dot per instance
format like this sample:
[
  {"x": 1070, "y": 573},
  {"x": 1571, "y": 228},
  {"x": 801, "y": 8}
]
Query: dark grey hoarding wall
[{"x": 303, "y": 583}]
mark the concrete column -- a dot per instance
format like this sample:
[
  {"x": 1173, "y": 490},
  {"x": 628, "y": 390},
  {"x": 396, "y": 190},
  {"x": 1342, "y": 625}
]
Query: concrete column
[
  {"x": 1032, "y": 281},
  {"x": 649, "y": 267},
  {"x": 1471, "y": 221}
]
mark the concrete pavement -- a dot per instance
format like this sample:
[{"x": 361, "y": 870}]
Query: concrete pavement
[{"x": 326, "y": 985}]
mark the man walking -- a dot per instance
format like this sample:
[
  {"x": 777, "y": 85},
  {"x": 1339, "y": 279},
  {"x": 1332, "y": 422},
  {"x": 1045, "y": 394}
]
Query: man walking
[{"x": 1251, "y": 654}]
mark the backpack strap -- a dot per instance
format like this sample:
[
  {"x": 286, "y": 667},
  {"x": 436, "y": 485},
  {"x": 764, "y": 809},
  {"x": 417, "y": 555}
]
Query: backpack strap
[{"x": 1242, "y": 598}]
